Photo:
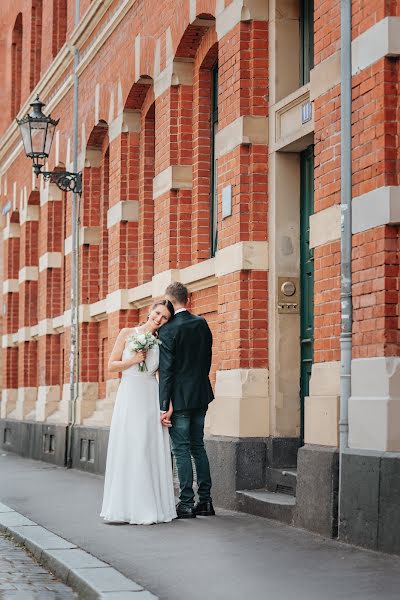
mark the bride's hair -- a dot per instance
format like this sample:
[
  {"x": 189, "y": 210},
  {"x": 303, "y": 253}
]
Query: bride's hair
[{"x": 168, "y": 305}]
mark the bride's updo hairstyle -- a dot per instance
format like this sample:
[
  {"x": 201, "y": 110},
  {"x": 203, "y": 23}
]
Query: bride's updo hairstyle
[{"x": 168, "y": 305}]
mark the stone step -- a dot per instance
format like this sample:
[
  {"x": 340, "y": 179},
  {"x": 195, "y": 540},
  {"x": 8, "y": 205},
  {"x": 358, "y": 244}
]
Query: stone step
[
  {"x": 281, "y": 480},
  {"x": 264, "y": 503}
]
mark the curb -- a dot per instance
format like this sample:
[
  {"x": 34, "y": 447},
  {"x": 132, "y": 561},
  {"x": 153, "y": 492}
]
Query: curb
[{"x": 89, "y": 577}]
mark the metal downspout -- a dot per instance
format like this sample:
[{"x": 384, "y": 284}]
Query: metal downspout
[
  {"x": 346, "y": 237},
  {"x": 74, "y": 346}
]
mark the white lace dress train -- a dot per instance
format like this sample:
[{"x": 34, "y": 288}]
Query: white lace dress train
[{"x": 138, "y": 487}]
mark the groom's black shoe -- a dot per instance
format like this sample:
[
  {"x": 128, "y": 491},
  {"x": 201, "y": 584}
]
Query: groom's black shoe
[
  {"x": 185, "y": 512},
  {"x": 204, "y": 509}
]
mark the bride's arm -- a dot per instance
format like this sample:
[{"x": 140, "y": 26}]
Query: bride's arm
[{"x": 115, "y": 364}]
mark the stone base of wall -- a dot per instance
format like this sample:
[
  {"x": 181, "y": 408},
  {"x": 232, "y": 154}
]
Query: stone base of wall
[
  {"x": 370, "y": 506},
  {"x": 30, "y": 439},
  {"x": 317, "y": 489}
]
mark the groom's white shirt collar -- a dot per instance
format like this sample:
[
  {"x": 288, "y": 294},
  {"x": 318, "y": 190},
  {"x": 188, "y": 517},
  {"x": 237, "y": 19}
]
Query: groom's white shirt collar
[{"x": 180, "y": 310}]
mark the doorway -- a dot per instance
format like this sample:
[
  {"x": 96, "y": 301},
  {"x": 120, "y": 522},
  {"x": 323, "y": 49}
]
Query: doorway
[{"x": 306, "y": 277}]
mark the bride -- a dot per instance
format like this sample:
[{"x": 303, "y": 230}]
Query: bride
[{"x": 138, "y": 486}]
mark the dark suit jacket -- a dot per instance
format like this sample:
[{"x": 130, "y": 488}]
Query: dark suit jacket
[{"x": 185, "y": 361}]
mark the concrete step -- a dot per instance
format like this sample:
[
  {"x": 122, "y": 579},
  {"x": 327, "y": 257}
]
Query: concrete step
[
  {"x": 283, "y": 481},
  {"x": 264, "y": 503}
]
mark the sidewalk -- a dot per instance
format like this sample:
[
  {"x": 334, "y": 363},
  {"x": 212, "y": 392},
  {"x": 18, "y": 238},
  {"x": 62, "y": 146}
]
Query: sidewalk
[
  {"x": 21, "y": 577},
  {"x": 232, "y": 556}
]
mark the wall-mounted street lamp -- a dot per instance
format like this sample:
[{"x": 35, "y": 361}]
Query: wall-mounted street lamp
[{"x": 37, "y": 132}]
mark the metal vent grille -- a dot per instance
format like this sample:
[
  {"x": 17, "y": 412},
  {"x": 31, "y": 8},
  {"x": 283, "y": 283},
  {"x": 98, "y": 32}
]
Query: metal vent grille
[{"x": 285, "y": 489}]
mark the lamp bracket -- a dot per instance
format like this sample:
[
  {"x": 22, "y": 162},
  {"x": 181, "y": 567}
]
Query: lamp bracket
[{"x": 64, "y": 180}]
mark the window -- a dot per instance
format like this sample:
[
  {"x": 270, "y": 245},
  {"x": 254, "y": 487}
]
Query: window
[
  {"x": 16, "y": 66},
  {"x": 306, "y": 40},
  {"x": 214, "y": 161}
]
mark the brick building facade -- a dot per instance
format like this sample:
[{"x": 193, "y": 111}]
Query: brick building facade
[{"x": 209, "y": 142}]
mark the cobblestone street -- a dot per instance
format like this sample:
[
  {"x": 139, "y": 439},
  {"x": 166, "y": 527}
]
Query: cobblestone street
[{"x": 22, "y": 578}]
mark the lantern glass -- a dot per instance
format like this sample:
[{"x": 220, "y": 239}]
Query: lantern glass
[
  {"x": 37, "y": 132},
  {"x": 25, "y": 129},
  {"x": 38, "y": 136}
]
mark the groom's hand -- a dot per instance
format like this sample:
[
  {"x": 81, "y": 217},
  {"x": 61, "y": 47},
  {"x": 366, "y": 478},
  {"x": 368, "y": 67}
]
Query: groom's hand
[
  {"x": 165, "y": 419},
  {"x": 166, "y": 416}
]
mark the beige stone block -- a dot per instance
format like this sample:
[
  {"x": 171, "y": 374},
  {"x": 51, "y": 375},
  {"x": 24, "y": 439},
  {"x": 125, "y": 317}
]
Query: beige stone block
[
  {"x": 199, "y": 276},
  {"x": 45, "y": 327},
  {"x": 88, "y": 394},
  {"x": 26, "y": 402},
  {"x": 241, "y": 405},
  {"x": 325, "y": 226},
  {"x": 321, "y": 420},
  {"x": 7, "y": 340},
  {"x": 242, "y": 256},
  {"x": 48, "y": 399},
  {"x": 325, "y": 379},
  {"x": 289, "y": 132},
  {"x": 125, "y": 210},
  {"x": 375, "y": 208},
  {"x": 28, "y": 274},
  {"x": 61, "y": 414},
  {"x": 382, "y": 39},
  {"x": 129, "y": 121},
  {"x": 117, "y": 300},
  {"x": 50, "y": 193},
  {"x": 141, "y": 295},
  {"x": 112, "y": 386},
  {"x": 175, "y": 177},
  {"x": 12, "y": 230},
  {"x": 237, "y": 11},
  {"x": 50, "y": 260},
  {"x": 162, "y": 280},
  {"x": 10, "y": 285},
  {"x": 98, "y": 310},
  {"x": 90, "y": 235},
  {"x": 244, "y": 130},
  {"x": 374, "y": 424},
  {"x": 58, "y": 323},
  {"x": 374, "y": 406},
  {"x": 8, "y": 402},
  {"x": 29, "y": 213},
  {"x": 325, "y": 75},
  {"x": 24, "y": 334}
]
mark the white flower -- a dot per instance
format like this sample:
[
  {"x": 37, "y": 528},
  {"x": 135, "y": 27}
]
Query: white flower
[{"x": 141, "y": 338}]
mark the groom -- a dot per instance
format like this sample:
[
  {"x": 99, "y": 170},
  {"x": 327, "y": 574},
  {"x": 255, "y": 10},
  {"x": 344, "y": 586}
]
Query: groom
[{"x": 185, "y": 393}]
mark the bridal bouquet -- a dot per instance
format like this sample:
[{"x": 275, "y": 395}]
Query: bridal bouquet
[{"x": 142, "y": 341}]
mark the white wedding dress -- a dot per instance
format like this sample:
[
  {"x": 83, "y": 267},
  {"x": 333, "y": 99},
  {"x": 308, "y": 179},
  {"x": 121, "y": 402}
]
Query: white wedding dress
[{"x": 138, "y": 486}]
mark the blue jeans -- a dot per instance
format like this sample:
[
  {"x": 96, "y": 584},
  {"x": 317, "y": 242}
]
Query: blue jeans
[{"x": 187, "y": 437}]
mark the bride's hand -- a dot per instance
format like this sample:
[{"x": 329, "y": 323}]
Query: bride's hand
[{"x": 138, "y": 357}]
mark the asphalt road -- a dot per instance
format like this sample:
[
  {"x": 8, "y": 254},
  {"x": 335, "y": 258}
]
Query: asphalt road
[{"x": 230, "y": 557}]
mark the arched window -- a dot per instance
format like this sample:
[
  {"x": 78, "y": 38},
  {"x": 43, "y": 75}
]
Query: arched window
[
  {"x": 16, "y": 66},
  {"x": 60, "y": 13},
  {"x": 36, "y": 43}
]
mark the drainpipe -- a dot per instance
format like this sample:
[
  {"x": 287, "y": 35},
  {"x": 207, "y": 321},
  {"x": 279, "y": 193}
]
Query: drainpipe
[
  {"x": 74, "y": 346},
  {"x": 346, "y": 238}
]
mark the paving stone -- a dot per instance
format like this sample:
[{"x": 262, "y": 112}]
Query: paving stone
[
  {"x": 21, "y": 578},
  {"x": 62, "y": 561}
]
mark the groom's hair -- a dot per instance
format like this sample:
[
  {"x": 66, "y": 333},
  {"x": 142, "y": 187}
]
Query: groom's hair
[{"x": 177, "y": 291}]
